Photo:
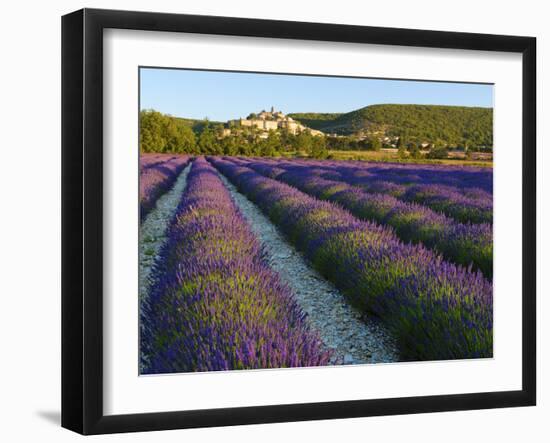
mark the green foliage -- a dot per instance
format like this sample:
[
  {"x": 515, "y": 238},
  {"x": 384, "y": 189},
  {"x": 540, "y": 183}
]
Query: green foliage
[
  {"x": 350, "y": 143},
  {"x": 402, "y": 151},
  {"x": 318, "y": 148},
  {"x": 196, "y": 125},
  {"x": 376, "y": 144},
  {"x": 230, "y": 146},
  {"x": 151, "y": 132},
  {"x": 303, "y": 142},
  {"x": 453, "y": 125},
  {"x": 270, "y": 146},
  {"x": 339, "y": 143},
  {"x": 401, "y": 143},
  {"x": 414, "y": 151},
  {"x": 314, "y": 120},
  {"x": 208, "y": 143},
  {"x": 162, "y": 133},
  {"x": 288, "y": 140},
  {"x": 438, "y": 152}
]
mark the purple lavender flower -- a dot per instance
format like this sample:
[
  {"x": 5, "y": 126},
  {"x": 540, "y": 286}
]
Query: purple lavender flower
[
  {"x": 463, "y": 243},
  {"x": 216, "y": 304},
  {"x": 156, "y": 177},
  {"x": 436, "y": 309}
]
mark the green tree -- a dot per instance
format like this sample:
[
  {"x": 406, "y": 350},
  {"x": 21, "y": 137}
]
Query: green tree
[
  {"x": 218, "y": 129},
  {"x": 438, "y": 152},
  {"x": 318, "y": 148},
  {"x": 375, "y": 144},
  {"x": 303, "y": 142},
  {"x": 164, "y": 133},
  {"x": 244, "y": 148},
  {"x": 414, "y": 150},
  {"x": 401, "y": 148},
  {"x": 402, "y": 152},
  {"x": 208, "y": 143},
  {"x": 270, "y": 146},
  {"x": 229, "y": 145},
  {"x": 180, "y": 138},
  {"x": 288, "y": 140},
  {"x": 151, "y": 137},
  {"x": 402, "y": 142}
]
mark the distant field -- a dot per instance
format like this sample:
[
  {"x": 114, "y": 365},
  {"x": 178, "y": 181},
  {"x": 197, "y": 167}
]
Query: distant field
[{"x": 390, "y": 155}]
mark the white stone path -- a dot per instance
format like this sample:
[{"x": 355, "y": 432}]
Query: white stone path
[{"x": 340, "y": 326}]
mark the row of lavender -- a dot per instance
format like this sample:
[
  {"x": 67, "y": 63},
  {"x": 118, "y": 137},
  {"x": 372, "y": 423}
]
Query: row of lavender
[
  {"x": 216, "y": 304},
  {"x": 466, "y": 244},
  {"x": 462, "y": 177},
  {"x": 462, "y": 197},
  {"x": 157, "y": 175},
  {"x": 435, "y": 309},
  {"x": 464, "y": 201},
  {"x": 467, "y": 205},
  {"x": 146, "y": 160}
]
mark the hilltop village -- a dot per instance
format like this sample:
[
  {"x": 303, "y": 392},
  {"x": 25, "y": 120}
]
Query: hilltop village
[{"x": 266, "y": 121}]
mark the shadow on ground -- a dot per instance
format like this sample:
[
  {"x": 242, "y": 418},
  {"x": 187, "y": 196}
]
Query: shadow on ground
[{"x": 54, "y": 417}]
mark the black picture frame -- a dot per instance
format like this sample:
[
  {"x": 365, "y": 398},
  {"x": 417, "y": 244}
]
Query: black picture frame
[{"x": 82, "y": 215}]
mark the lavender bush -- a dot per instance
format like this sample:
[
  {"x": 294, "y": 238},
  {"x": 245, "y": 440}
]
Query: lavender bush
[
  {"x": 463, "y": 243},
  {"x": 474, "y": 205},
  {"x": 463, "y": 204},
  {"x": 462, "y": 201},
  {"x": 216, "y": 304},
  {"x": 461, "y": 177},
  {"x": 156, "y": 178},
  {"x": 146, "y": 160},
  {"x": 436, "y": 309}
]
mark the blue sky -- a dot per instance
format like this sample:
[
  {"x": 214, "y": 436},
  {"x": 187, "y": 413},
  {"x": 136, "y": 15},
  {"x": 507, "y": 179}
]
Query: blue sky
[{"x": 221, "y": 96}]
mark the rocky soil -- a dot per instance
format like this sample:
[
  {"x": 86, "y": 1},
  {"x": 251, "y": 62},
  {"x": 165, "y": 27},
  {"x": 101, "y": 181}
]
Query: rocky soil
[
  {"x": 353, "y": 339},
  {"x": 152, "y": 232}
]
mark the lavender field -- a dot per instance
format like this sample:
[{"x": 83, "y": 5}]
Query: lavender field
[{"x": 256, "y": 263}]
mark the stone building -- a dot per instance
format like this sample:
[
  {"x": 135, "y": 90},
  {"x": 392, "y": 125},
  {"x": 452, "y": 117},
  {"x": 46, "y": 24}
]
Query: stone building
[
  {"x": 266, "y": 125},
  {"x": 273, "y": 120}
]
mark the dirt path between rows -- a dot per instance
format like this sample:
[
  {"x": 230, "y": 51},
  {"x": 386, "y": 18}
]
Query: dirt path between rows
[
  {"x": 340, "y": 326},
  {"x": 152, "y": 232}
]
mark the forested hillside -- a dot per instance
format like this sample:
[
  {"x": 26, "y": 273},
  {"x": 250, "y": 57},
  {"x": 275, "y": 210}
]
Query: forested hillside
[
  {"x": 448, "y": 125},
  {"x": 316, "y": 120},
  {"x": 196, "y": 125}
]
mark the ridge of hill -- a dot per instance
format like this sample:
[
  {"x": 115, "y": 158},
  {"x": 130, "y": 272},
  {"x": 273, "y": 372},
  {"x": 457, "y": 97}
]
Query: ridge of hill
[{"x": 452, "y": 125}]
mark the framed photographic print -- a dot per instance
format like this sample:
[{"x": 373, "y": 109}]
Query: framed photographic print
[{"x": 269, "y": 221}]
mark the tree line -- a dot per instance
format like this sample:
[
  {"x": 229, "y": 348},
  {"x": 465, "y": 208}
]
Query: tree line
[{"x": 164, "y": 133}]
